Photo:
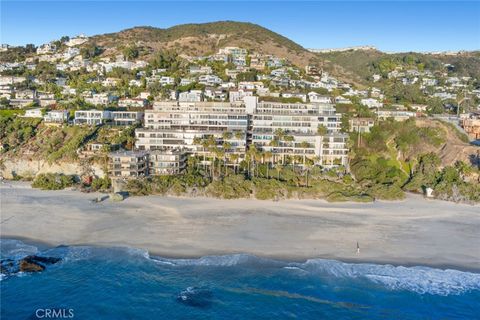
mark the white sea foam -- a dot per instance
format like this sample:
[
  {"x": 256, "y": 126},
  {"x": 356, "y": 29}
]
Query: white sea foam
[
  {"x": 422, "y": 280},
  {"x": 15, "y": 249},
  {"x": 222, "y": 261},
  {"x": 417, "y": 279}
]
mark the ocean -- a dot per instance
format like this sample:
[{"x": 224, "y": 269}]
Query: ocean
[{"x": 128, "y": 283}]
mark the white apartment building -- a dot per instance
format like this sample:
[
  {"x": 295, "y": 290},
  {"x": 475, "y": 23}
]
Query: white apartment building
[
  {"x": 186, "y": 126},
  {"x": 166, "y": 161},
  {"x": 292, "y": 130},
  {"x": 177, "y": 125}
]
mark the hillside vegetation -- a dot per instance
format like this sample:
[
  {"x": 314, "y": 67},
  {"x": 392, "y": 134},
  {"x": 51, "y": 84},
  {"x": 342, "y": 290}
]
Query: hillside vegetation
[
  {"x": 203, "y": 39},
  {"x": 360, "y": 65}
]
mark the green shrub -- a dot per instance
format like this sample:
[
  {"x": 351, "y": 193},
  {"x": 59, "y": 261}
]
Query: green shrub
[
  {"x": 53, "y": 181},
  {"x": 231, "y": 187},
  {"x": 138, "y": 187},
  {"x": 268, "y": 189},
  {"x": 101, "y": 184}
]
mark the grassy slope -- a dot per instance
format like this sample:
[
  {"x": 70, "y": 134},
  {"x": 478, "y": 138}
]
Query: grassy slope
[{"x": 207, "y": 38}]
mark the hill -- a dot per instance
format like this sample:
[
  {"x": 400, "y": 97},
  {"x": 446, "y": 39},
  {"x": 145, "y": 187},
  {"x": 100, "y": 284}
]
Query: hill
[
  {"x": 205, "y": 38},
  {"x": 360, "y": 65}
]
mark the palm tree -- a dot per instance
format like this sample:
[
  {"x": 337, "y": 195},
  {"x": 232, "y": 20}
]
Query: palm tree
[
  {"x": 309, "y": 165},
  {"x": 252, "y": 154},
  {"x": 227, "y": 135},
  {"x": 322, "y": 130},
  {"x": 304, "y": 145},
  {"x": 234, "y": 157},
  {"x": 268, "y": 155},
  {"x": 205, "y": 143},
  {"x": 279, "y": 133}
]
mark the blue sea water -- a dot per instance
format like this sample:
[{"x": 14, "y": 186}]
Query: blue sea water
[{"x": 127, "y": 283}]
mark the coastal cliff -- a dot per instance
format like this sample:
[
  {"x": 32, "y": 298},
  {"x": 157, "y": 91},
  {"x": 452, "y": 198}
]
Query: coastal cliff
[{"x": 29, "y": 168}]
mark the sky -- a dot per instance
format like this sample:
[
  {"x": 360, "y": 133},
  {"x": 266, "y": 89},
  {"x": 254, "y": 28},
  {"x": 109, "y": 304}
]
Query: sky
[{"x": 393, "y": 26}]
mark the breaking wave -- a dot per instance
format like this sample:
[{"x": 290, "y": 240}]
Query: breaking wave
[{"x": 421, "y": 280}]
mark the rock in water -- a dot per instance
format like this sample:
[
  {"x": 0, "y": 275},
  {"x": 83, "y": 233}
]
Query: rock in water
[
  {"x": 26, "y": 266},
  {"x": 195, "y": 297},
  {"x": 44, "y": 260},
  {"x": 36, "y": 263}
]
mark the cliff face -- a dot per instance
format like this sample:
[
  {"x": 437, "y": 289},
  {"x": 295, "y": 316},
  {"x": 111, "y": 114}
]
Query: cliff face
[{"x": 27, "y": 168}]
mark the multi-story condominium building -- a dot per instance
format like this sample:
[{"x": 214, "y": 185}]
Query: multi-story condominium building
[
  {"x": 91, "y": 117},
  {"x": 299, "y": 130},
  {"x": 56, "y": 116},
  {"x": 182, "y": 125},
  {"x": 128, "y": 164},
  {"x": 286, "y": 130},
  {"x": 126, "y": 118},
  {"x": 167, "y": 161}
]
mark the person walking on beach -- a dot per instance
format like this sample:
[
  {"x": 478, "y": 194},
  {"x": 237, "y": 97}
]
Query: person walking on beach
[{"x": 358, "y": 248}]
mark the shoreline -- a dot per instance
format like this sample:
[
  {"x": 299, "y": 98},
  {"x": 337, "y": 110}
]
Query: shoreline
[
  {"x": 411, "y": 232},
  {"x": 42, "y": 245}
]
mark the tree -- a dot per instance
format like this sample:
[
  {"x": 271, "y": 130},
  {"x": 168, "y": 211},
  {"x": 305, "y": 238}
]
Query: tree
[
  {"x": 91, "y": 51},
  {"x": 131, "y": 52},
  {"x": 322, "y": 130}
]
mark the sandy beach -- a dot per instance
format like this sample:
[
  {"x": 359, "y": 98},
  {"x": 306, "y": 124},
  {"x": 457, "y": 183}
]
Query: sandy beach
[{"x": 411, "y": 232}]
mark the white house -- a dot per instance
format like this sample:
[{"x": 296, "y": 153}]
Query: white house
[
  {"x": 200, "y": 70},
  {"x": 371, "y": 103},
  {"x": 47, "y": 48},
  {"x": 209, "y": 80},
  {"x": 33, "y": 113},
  {"x": 132, "y": 102},
  {"x": 126, "y": 118},
  {"x": 342, "y": 100},
  {"x": 78, "y": 40},
  {"x": 186, "y": 81},
  {"x": 56, "y": 116},
  {"x": 191, "y": 96},
  {"x": 295, "y": 95},
  {"x": 238, "y": 95},
  {"x": 166, "y": 81},
  {"x": 318, "y": 98},
  {"x": 91, "y": 117},
  {"x": 100, "y": 99}
]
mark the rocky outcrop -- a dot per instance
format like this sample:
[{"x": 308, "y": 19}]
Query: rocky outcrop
[
  {"x": 30, "y": 168},
  {"x": 28, "y": 264}
]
